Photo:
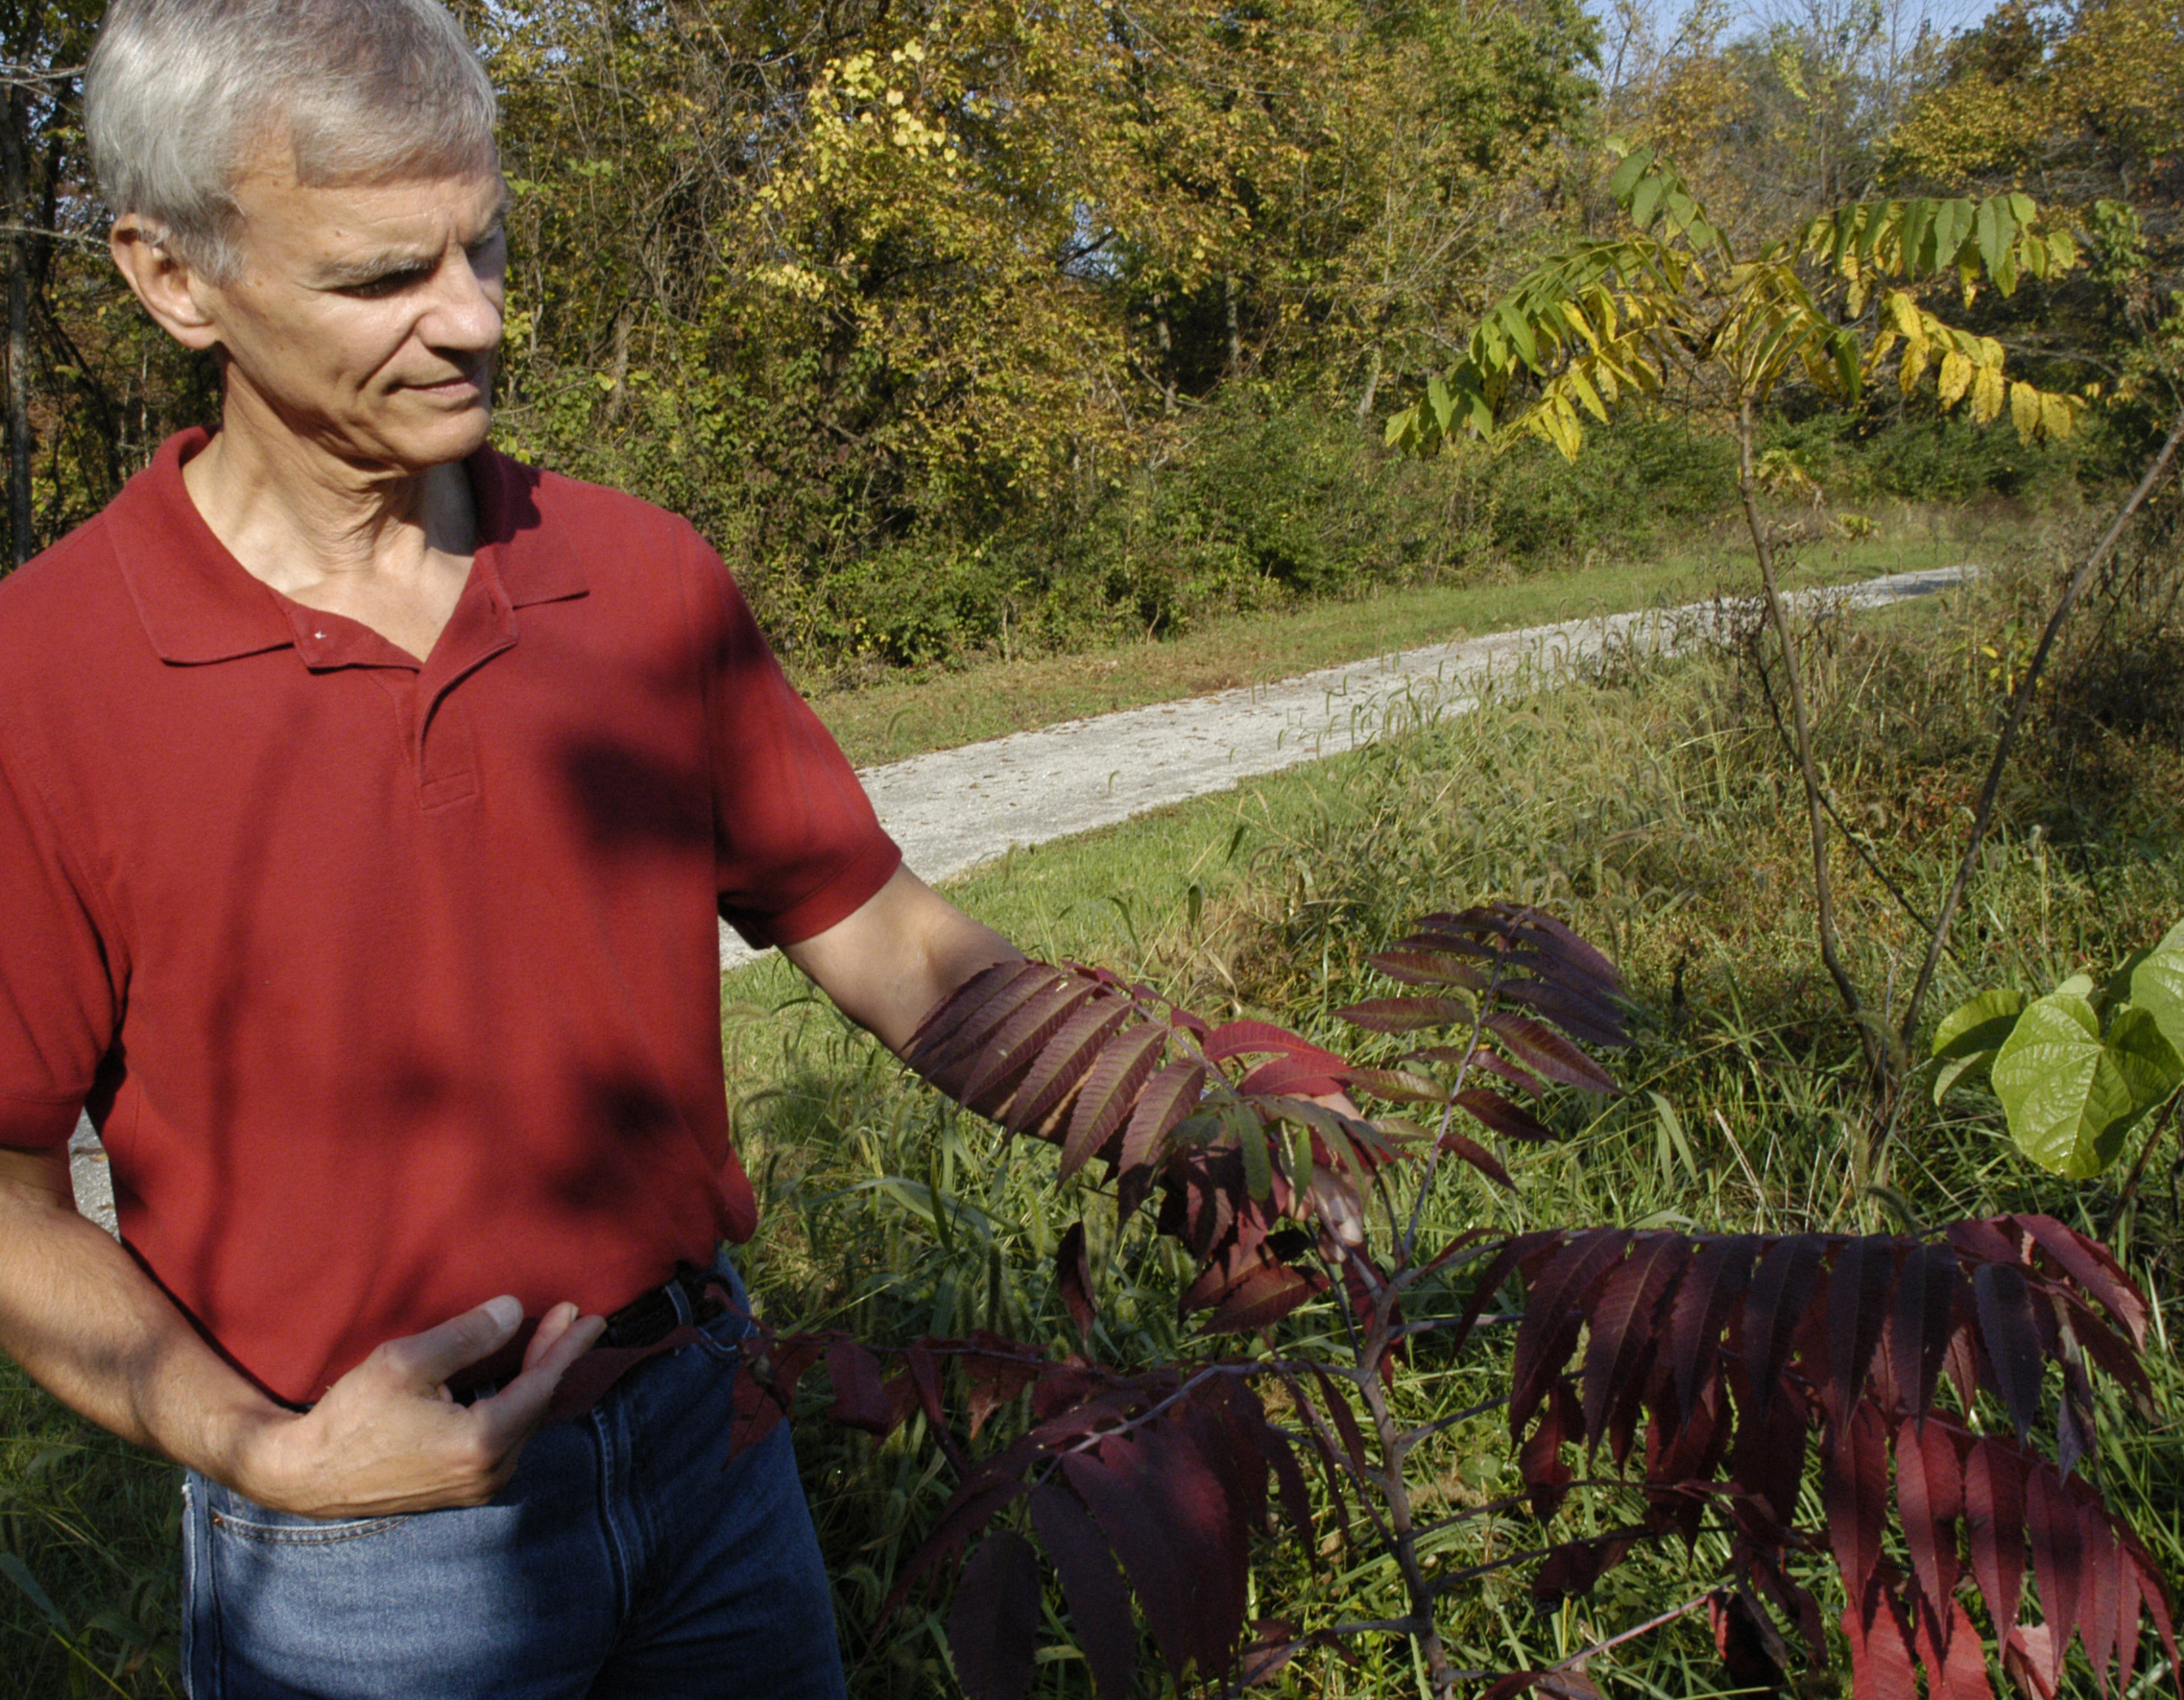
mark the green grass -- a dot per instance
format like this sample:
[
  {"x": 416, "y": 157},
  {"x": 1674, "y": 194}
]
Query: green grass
[{"x": 898, "y": 717}]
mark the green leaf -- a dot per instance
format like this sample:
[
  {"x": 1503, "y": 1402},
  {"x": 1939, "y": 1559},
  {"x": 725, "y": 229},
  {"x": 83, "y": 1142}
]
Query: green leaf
[
  {"x": 1980, "y": 1025},
  {"x": 1955, "y": 1070},
  {"x": 1646, "y": 198},
  {"x": 1996, "y": 229},
  {"x": 1952, "y": 221},
  {"x": 2077, "y": 986},
  {"x": 1257, "y": 1161},
  {"x": 2172, "y": 938},
  {"x": 2069, "y": 1097},
  {"x": 2149, "y": 1061},
  {"x": 1444, "y": 404},
  {"x": 2157, "y": 988},
  {"x": 1627, "y": 174},
  {"x": 19, "y": 1574},
  {"x": 1520, "y": 336},
  {"x": 1917, "y": 221}
]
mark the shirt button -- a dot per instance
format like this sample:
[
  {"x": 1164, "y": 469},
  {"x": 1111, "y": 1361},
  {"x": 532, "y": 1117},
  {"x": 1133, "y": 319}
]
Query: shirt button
[{"x": 318, "y": 635}]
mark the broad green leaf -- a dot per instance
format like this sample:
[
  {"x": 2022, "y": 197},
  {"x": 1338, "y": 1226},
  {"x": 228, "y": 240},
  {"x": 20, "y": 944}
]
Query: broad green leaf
[
  {"x": 1955, "y": 1070},
  {"x": 1917, "y": 222},
  {"x": 1980, "y": 1025},
  {"x": 2149, "y": 1061},
  {"x": 2172, "y": 938},
  {"x": 1645, "y": 199},
  {"x": 2067, "y": 1095},
  {"x": 2077, "y": 986},
  {"x": 2157, "y": 986},
  {"x": 1951, "y": 223},
  {"x": 1444, "y": 405}
]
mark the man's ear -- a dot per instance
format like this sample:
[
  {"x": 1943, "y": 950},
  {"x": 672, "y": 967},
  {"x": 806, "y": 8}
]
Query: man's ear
[{"x": 173, "y": 291}]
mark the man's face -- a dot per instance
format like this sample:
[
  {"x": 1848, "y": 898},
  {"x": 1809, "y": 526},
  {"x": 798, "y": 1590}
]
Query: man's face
[{"x": 364, "y": 315}]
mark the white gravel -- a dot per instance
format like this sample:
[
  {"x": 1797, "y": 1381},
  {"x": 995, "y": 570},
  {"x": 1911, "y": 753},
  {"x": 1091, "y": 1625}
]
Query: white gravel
[{"x": 954, "y": 809}]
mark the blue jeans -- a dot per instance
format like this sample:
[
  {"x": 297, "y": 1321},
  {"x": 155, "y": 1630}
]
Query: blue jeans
[{"x": 629, "y": 1558}]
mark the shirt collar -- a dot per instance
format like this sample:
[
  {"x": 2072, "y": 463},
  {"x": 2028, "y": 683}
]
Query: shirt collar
[{"x": 199, "y": 603}]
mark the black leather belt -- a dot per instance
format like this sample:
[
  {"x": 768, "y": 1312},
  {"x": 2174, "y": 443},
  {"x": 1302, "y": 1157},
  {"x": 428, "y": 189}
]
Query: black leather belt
[{"x": 689, "y": 1296}]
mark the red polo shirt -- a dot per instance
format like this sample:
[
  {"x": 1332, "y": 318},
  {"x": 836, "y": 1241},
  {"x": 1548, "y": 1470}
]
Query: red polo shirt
[{"x": 391, "y": 987}]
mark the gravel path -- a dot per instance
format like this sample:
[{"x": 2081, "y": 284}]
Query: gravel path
[{"x": 955, "y": 808}]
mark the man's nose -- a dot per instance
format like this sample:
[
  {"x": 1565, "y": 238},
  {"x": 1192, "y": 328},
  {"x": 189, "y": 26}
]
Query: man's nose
[{"x": 465, "y": 313}]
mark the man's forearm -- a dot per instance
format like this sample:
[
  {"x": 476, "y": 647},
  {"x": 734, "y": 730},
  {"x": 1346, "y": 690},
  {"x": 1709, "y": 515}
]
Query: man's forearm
[
  {"x": 889, "y": 963},
  {"x": 92, "y": 1329}
]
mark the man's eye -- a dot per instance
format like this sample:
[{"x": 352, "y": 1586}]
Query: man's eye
[{"x": 385, "y": 285}]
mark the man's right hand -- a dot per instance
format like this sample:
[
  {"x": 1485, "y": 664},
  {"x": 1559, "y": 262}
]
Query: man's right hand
[{"x": 389, "y": 1437}]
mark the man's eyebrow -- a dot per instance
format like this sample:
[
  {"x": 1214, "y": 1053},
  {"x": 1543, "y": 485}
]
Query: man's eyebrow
[{"x": 388, "y": 262}]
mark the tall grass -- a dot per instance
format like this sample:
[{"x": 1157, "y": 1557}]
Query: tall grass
[{"x": 1652, "y": 807}]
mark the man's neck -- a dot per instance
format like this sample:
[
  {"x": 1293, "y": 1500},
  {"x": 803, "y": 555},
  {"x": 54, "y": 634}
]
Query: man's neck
[{"x": 387, "y": 547}]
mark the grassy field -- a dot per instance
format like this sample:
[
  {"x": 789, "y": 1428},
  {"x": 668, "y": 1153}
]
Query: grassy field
[{"x": 1649, "y": 805}]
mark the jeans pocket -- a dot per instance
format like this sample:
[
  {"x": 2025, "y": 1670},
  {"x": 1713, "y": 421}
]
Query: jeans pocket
[{"x": 230, "y": 1514}]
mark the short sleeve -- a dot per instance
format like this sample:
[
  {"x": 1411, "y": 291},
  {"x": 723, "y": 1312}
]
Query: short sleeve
[
  {"x": 58, "y": 1001},
  {"x": 797, "y": 845}
]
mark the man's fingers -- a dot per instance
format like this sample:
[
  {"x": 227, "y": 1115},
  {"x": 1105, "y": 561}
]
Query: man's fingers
[
  {"x": 437, "y": 1353},
  {"x": 510, "y": 1415},
  {"x": 551, "y": 1328}
]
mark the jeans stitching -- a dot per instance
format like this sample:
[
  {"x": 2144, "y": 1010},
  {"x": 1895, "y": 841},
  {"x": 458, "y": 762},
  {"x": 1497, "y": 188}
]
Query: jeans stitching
[{"x": 286, "y": 1535}]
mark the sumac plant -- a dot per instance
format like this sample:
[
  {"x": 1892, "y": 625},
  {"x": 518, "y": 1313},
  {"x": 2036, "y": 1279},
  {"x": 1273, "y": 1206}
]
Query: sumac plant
[{"x": 1687, "y": 1385}]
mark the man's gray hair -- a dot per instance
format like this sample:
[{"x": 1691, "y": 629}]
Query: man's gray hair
[{"x": 180, "y": 93}]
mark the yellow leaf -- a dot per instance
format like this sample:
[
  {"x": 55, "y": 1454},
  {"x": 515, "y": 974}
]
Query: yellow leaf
[
  {"x": 1987, "y": 394},
  {"x": 1956, "y": 378},
  {"x": 1914, "y": 368},
  {"x": 1906, "y": 314},
  {"x": 2025, "y": 411},
  {"x": 2056, "y": 415}
]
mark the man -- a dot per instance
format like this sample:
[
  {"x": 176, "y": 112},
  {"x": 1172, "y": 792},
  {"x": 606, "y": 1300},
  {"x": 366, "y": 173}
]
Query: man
[{"x": 367, "y": 802}]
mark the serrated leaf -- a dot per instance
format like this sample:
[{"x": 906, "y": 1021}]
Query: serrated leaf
[
  {"x": 1782, "y": 1287},
  {"x": 1544, "y": 1051},
  {"x": 1621, "y": 1322},
  {"x": 1072, "y": 1275},
  {"x": 1092, "y": 1585},
  {"x": 1627, "y": 174},
  {"x": 861, "y": 1399},
  {"x": 2012, "y": 1340},
  {"x": 1859, "y": 1289},
  {"x": 1854, "y": 1494},
  {"x": 1110, "y": 1092},
  {"x": 1512, "y": 1122},
  {"x": 1168, "y": 1097},
  {"x": 1919, "y": 1324},
  {"x": 1063, "y": 1062},
  {"x": 2058, "y": 1556},
  {"x": 1929, "y": 1498},
  {"x": 1551, "y": 1312},
  {"x": 1993, "y": 1522},
  {"x": 992, "y": 1627},
  {"x": 1706, "y": 1297},
  {"x": 1403, "y": 1015}
]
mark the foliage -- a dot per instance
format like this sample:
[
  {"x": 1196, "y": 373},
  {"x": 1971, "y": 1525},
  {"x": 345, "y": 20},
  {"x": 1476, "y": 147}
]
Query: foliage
[
  {"x": 2078, "y": 1069},
  {"x": 1730, "y": 1350}
]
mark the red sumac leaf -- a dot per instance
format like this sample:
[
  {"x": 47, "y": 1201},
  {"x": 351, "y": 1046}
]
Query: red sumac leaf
[
  {"x": 1930, "y": 1496},
  {"x": 2012, "y": 1341},
  {"x": 1584, "y": 1019},
  {"x": 1266, "y": 1293},
  {"x": 1859, "y": 1286},
  {"x": 1919, "y": 1324},
  {"x": 1405, "y": 1015},
  {"x": 861, "y": 1399},
  {"x": 1782, "y": 1289},
  {"x": 1012, "y": 1052},
  {"x": 995, "y": 1377},
  {"x": 2094, "y": 1267},
  {"x": 1168, "y": 1097},
  {"x": 1477, "y": 1155},
  {"x": 1065, "y": 1062},
  {"x": 1427, "y": 967},
  {"x": 1572, "y": 1568},
  {"x": 1948, "y": 1647},
  {"x": 1237, "y": 1039},
  {"x": 1099, "y": 1605},
  {"x": 1855, "y": 1490},
  {"x": 1623, "y": 1323},
  {"x": 1546, "y": 1473},
  {"x": 2101, "y": 1595},
  {"x": 1994, "y": 1520},
  {"x": 1544, "y": 1051},
  {"x": 1300, "y": 1075},
  {"x": 1072, "y": 1274},
  {"x": 1553, "y": 1310},
  {"x": 1706, "y": 1297},
  {"x": 1509, "y": 1120},
  {"x": 953, "y": 1027},
  {"x": 1880, "y": 1635},
  {"x": 2058, "y": 1559},
  {"x": 992, "y": 1628},
  {"x": 1109, "y": 1090}
]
